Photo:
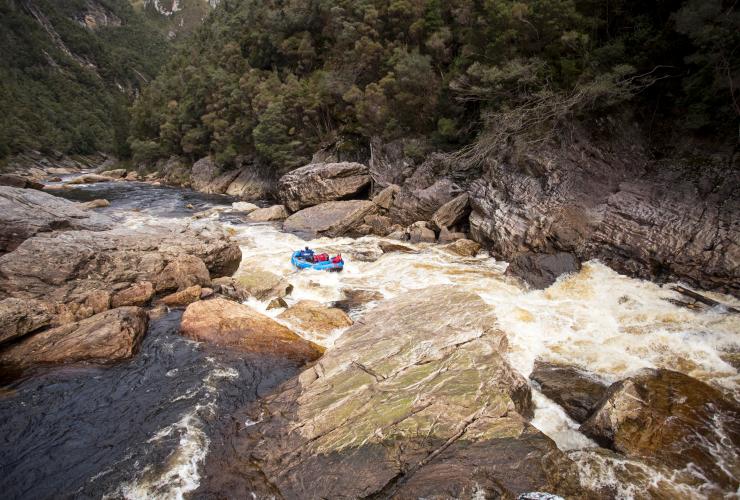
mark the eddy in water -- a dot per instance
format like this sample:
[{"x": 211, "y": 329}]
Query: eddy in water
[{"x": 436, "y": 373}]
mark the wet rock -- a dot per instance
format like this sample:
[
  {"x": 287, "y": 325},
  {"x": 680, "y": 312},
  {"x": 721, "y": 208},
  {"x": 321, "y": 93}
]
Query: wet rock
[
  {"x": 21, "y": 317},
  {"x": 25, "y": 213},
  {"x": 356, "y": 298},
  {"x": 319, "y": 183},
  {"x": 184, "y": 271},
  {"x": 269, "y": 214},
  {"x": 313, "y": 317},
  {"x": 226, "y": 323},
  {"x": 183, "y": 297},
  {"x": 263, "y": 284},
  {"x": 446, "y": 236},
  {"x": 138, "y": 294},
  {"x": 420, "y": 233},
  {"x": 90, "y": 179},
  {"x": 400, "y": 408},
  {"x": 388, "y": 247},
  {"x": 463, "y": 248},
  {"x": 332, "y": 219},
  {"x": 244, "y": 207},
  {"x": 118, "y": 173},
  {"x": 452, "y": 213},
  {"x": 576, "y": 391},
  {"x": 277, "y": 303},
  {"x": 251, "y": 184},
  {"x": 229, "y": 287},
  {"x": 384, "y": 199},
  {"x": 673, "y": 419},
  {"x": 207, "y": 177},
  {"x": 109, "y": 336},
  {"x": 542, "y": 270},
  {"x": 99, "y": 203},
  {"x": 18, "y": 181},
  {"x": 133, "y": 176},
  {"x": 379, "y": 225}
]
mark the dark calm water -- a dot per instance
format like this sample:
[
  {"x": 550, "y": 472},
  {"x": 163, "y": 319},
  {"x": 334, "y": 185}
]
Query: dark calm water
[{"x": 141, "y": 428}]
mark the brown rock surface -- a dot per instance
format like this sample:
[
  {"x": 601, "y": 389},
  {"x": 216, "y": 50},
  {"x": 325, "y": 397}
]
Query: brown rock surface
[
  {"x": 263, "y": 284},
  {"x": 21, "y": 317},
  {"x": 138, "y": 294},
  {"x": 334, "y": 218},
  {"x": 183, "y": 297},
  {"x": 463, "y": 248},
  {"x": 319, "y": 183},
  {"x": 542, "y": 270},
  {"x": 400, "y": 408},
  {"x": 576, "y": 391},
  {"x": 90, "y": 179},
  {"x": 26, "y": 212},
  {"x": 18, "y": 181},
  {"x": 313, "y": 317},
  {"x": 452, "y": 213},
  {"x": 226, "y": 323},
  {"x": 269, "y": 214},
  {"x": 109, "y": 336},
  {"x": 673, "y": 419}
]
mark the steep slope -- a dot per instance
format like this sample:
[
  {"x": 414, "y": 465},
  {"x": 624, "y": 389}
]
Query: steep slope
[
  {"x": 176, "y": 17},
  {"x": 68, "y": 71}
]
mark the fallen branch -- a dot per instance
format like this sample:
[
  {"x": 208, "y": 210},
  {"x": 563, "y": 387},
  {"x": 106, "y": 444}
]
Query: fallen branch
[{"x": 701, "y": 298}]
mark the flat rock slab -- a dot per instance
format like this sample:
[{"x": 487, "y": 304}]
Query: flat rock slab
[
  {"x": 109, "y": 336},
  {"x": 332, "y": 219},
  {"x": 322, "y": 182},
  {"x": 21, "y": 317},
  {"x": 27, "y": 212},
  {"x": 416, "y": 400},
  {"x": 226, "y": 323}
]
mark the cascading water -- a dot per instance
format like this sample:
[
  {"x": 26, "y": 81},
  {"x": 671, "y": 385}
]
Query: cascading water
[{"x": 144, "y": 428}]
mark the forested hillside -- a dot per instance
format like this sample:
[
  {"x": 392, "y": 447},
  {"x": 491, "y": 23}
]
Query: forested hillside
[
  {"x": 276, "y": 79},
  {"x": 68, "y": 72}
]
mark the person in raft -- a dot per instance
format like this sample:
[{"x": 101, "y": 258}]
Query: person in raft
[{"x": 309, "y": 256}]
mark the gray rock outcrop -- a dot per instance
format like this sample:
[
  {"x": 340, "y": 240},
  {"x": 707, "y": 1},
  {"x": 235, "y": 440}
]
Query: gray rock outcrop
[{"x": 322, "y": 182}]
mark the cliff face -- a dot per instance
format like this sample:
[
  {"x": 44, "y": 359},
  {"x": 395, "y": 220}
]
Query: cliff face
[
  {"x": 595, "y": 198},
  {"x": 176, "y": 16}
]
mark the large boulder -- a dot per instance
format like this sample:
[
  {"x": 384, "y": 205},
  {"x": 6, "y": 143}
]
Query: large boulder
[
  {"x": 401, "y": 408},
  {"x": 420, "y": 233},
  {"x": 315, "y": 318},
  {"x": 269, "y": 214},
  {"x": 226, "y": 323},
  {"x": 90, "y": 179},
  {"x": 250, "y": 185},
  {"x": 452, "y": 213},
  {"x": 118, "y": 173},
  {"x": 578, "y": 392},
  {"x": 322, "y": 182},
  {"x": 26, "y": 212},
  {"x": 335, "y": 218},
  {"x": 87, "y": 271},
  {"x": 207, "y": 177},
  {"x": 673, "y": 419},
  {"x": 109, "y": 336},
  {"x": 263, "y": 284},
  {"x": 463, "y": 248},
  {"x": 21, "y": 317},
  {"x": 542, "y": 270},
  {"x": 18, "y": 181}
]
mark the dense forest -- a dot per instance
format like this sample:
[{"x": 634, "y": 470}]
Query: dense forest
[
  {"x": 277, "y": 79},
  {"x": 69, "y": 71}
]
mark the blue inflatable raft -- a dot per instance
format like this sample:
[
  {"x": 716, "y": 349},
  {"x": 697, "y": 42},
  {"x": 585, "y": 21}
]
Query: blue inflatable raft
[{"x": 327, "y": 265}]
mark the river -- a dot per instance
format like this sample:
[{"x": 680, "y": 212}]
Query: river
[{"x": 148, "y": 427}]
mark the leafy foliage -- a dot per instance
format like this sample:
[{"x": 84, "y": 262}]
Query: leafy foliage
[{"x": 65, "y": 86}]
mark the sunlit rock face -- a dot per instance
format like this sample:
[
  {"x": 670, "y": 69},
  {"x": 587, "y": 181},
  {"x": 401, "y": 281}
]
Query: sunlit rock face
[{"x": 416, "y": 399}]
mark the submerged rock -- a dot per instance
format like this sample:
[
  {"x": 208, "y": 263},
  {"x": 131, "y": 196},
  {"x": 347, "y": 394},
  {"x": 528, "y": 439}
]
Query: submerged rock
[
  {"x": 332, "y": 219},
  {"x": 226, "y": 323},
  {"x": 401, "y": 408},
  {"x": 25, "y": 213},
  {"x": 673, "y": 419},
  {"x": 542, "y": 270},
  {"x": 108, "y": 336},
  {"x": 578, "y": 392},
  {"x": 322, "y": 182},
  {"x": 356, "y": 298}
]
